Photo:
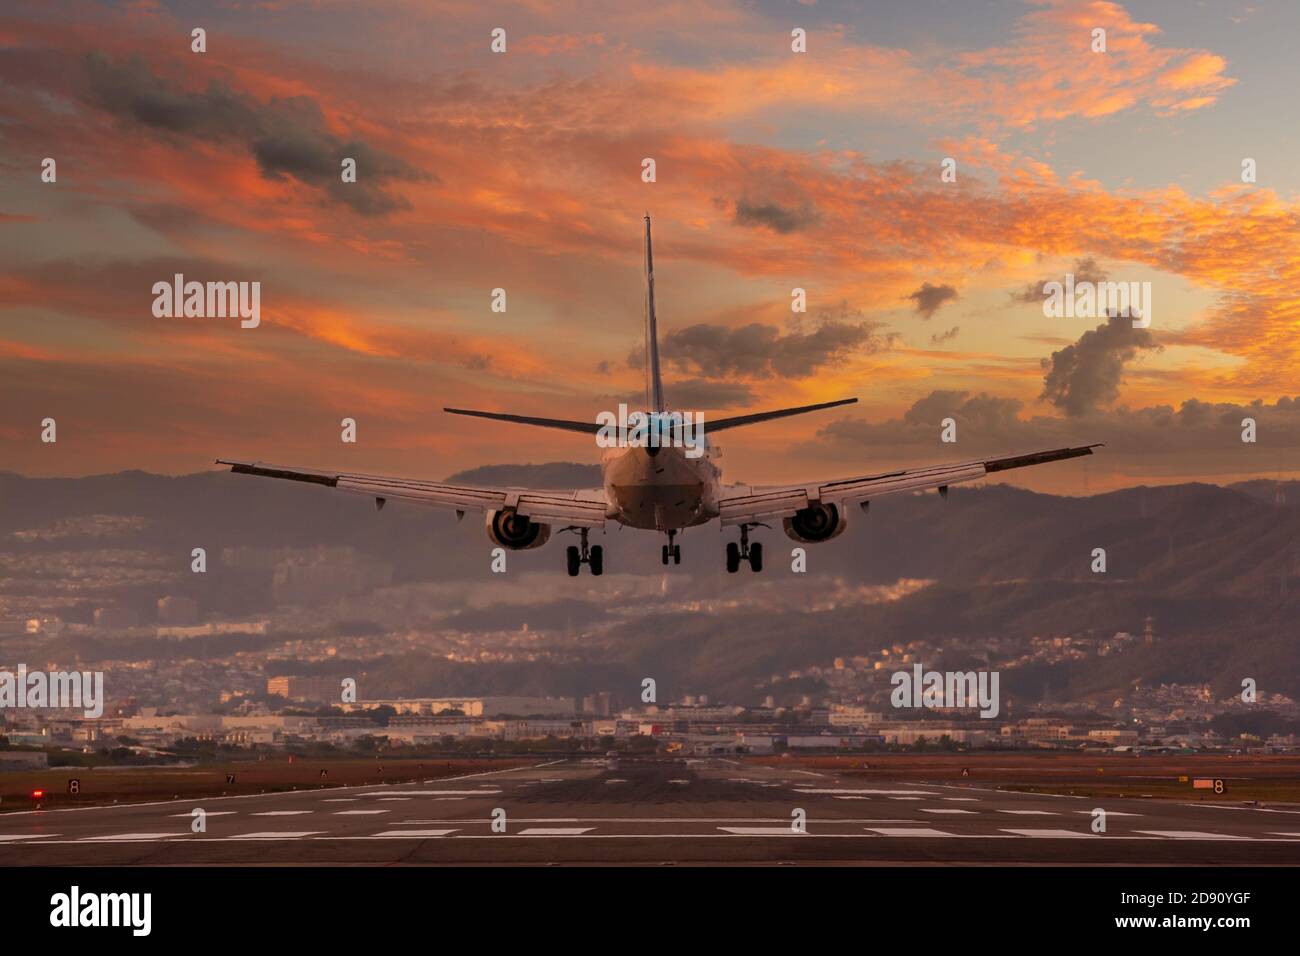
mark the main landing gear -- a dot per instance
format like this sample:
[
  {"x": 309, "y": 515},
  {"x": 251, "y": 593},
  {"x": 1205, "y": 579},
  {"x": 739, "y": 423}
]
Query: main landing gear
[
  {"x": 672, "y": 552},
  {"x": 744, "y": 551},
  {"x": 593, "y": 557}
]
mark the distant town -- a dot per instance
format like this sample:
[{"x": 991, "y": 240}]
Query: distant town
[{"x": 181, "y": 685}]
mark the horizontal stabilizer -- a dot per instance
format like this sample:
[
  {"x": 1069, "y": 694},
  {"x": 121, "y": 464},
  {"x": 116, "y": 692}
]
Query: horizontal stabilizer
[
  {"x": 587, "y": 428},
  {"x": 738, "y": 420}
]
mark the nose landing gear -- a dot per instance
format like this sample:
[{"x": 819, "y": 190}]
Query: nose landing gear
[
  {"x": 672, "y": 551},
  {"x": 744, "y": 551},
  {"x": 576, "y": 557}
]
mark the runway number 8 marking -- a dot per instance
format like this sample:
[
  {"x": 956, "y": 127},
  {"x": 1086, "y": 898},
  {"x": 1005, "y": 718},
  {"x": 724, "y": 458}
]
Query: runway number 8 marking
[{"x": 74, "y": 786}]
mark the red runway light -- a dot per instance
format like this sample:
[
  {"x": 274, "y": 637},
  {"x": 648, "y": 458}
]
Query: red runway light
[{"x": 37, "y": 794}]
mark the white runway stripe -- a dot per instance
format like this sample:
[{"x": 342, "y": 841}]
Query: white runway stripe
[
  {"x": 135, "y": 836},
  {"x": 924, "y": 810},
  {"x": 353, "y": 813},
  {"x": 555, "y": 831},
  {"x": 763, "y": 831},
  {"x": 275, "y": 835},
  {"x": 6, "y": 837},
  {"x": 210, "y": 813},
  {"x": 279, "y": 813},
  {"x": 414, "y": 833},
  {"x": 909, "y": 832},
  {"x": 1052, "y": 834},
  {"x": 1032, "y": 813},
  {"x": 406, "y": 794},
  {"x": 883, "y": 793},
  {"x": 1192, "y": 835}
]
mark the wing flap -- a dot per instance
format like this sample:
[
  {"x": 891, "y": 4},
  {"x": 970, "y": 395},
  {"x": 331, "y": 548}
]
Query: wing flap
[
  {"x": 581, "y": 508},
  {"x": 745, "y": 505}
]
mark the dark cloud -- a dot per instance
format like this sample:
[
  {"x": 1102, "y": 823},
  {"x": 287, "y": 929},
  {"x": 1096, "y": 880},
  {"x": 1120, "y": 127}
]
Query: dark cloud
[
  {"x": 1195, "y": 439},
  {"x": 929, "y": 298},
  {"x": 986, "y": 412},
  {"x": 286, "y": 137},
  {"x": 1085, "y": 270},
  {"x": 764, "y": 351},
  {"x": 939, "y": 338},
  {"x": 1083, "y": 377},
  {"x": 696, "y": 394},
  {"x": 778, "y": 218}
]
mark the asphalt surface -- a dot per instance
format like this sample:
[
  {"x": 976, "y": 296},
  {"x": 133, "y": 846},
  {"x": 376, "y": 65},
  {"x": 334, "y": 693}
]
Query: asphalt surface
[{"x": 663, "y": 811}]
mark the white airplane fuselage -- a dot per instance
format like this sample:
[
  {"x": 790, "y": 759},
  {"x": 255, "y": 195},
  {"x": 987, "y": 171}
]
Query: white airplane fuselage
[{"x": 660, "y": 489}]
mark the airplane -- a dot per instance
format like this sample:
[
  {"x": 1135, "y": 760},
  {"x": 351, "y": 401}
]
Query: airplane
[{"x": 659, "y": 486}]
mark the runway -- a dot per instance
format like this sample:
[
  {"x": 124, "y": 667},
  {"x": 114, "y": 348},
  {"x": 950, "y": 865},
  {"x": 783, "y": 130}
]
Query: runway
[{"x": 653, "y": 811}]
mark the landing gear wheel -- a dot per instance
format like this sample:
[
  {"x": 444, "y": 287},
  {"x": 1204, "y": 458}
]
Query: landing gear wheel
[
  {"x": 596, "y": 560},
  {"x": 677, "y": 554},
  {"x": 756, "y": 557},
  {"x": 665, "y": 554},
  {"x": 733, "y": 557},
  {"x": 574, "y": 557}
]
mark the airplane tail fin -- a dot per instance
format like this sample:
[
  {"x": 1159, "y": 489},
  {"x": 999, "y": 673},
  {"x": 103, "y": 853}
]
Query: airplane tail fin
[{"x": 654, "y": 386}]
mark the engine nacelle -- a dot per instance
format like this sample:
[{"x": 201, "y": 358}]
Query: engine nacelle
[
  {"x": 817, "y": 523},
  {"x": 515, "y": 531}
]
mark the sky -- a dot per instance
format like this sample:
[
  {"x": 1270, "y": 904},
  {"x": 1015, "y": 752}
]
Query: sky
[{"x": 522, "y": 170}]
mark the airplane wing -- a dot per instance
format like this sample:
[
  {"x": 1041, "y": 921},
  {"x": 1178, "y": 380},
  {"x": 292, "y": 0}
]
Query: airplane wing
[
  {"x": 745, "y": 505},
  {"x": 584, "y": 509}
]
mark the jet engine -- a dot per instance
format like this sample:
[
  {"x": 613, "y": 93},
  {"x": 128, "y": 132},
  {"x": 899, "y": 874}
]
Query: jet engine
[
  {"x": 817, "y": 523},
  {"x": 515, "y": 531}
]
